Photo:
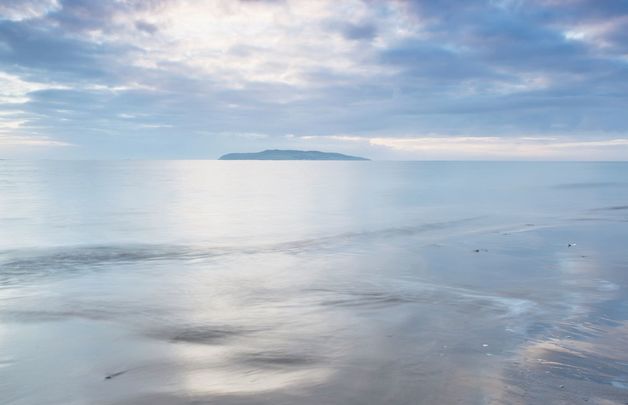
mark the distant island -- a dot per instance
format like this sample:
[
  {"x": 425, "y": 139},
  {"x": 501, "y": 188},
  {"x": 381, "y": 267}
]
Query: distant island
[{"x": 277, "y": 154}]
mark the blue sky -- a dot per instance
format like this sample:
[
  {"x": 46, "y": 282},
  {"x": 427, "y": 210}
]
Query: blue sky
[{"x": 494, "y": 79}]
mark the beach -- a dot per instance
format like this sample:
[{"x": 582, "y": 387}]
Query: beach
[{"x": 193, "y": 282}]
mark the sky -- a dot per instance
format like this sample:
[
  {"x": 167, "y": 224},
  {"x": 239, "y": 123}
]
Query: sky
[{"x": 415, "y": 79}]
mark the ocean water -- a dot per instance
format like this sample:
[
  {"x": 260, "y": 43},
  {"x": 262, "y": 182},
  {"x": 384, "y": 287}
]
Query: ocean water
[{"x": 194, "y": 282}]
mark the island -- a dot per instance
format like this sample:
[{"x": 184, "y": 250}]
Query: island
[{"x": 278, "y": 154}]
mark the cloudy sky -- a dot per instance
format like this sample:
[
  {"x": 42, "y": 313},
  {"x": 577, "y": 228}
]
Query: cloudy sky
[{"x": 423, "y": 79}]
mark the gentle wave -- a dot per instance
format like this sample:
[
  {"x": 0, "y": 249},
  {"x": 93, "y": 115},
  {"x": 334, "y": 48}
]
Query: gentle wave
[{"x": 41, "y": 262}]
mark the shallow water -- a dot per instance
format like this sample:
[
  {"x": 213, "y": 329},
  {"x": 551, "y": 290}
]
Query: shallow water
[{"x": 185, "y": 282}]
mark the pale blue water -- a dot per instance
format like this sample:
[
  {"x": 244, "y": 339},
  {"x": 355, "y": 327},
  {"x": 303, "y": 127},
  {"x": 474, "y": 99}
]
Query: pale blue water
[{"x": 313, "y": 282}]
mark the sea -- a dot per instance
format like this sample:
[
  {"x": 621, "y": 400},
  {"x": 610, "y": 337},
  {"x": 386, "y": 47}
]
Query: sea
[{"x": 314, "y": 283}]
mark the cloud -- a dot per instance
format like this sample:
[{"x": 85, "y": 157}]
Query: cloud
[
  {"x": 79, "y": 69},
  {"x": 19, "y": 140},
  {"x": 492, "y": 147},
  {"x": 358, "y": 31},
  {"x": 530, "y": 147},
  {"x": 146, "y": 27},
  {"x": 243, "y": 135},
  {"x": 19, "y": 10},
  {"x": 14, "y": 90}
]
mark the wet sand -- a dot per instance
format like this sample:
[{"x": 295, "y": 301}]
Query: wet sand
[{"x": 527, "y": 319}]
